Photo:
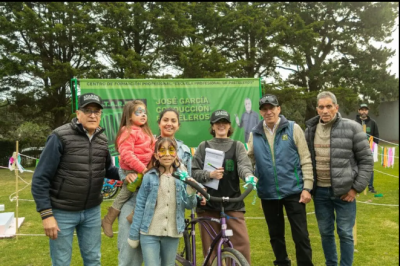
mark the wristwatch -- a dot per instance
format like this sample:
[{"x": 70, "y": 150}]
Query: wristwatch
[{"x": 307, "y": 189}]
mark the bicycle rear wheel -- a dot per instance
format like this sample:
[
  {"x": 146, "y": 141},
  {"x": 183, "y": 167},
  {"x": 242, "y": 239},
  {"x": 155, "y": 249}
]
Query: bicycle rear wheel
[
  {"x": 108, "y": 192},
  {"x": 230, "y": 256}
]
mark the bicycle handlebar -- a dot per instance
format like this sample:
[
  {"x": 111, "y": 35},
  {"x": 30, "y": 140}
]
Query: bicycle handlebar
[
  {"x": 196, "y": 186},
  {"x": 240, "y": 198}
]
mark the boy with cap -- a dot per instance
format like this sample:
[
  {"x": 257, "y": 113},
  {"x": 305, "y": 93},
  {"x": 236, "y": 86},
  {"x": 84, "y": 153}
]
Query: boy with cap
[
  {"x": 67, "y": 183},
  {"x": 280, "y": 153},
  {"x": 371, "y": 129}
]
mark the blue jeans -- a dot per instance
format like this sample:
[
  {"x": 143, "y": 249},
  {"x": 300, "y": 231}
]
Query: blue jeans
[
  {"x": 88, "y": 229},
  {"x": 127, "y": 256},
  {"x": 371, "y": 181},
  {"x": 325, "y": 207},
  {"x": 159, "y": 250}
]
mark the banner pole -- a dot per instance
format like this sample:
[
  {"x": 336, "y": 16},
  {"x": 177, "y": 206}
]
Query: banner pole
[
  {"x": 76, "y": 94},
  {"x": 16, "y": 190}
]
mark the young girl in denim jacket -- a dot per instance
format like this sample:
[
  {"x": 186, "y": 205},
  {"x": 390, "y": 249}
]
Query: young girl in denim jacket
[
  {"x": 158, "y": 222},
  {"x": 135, "y": 144}
]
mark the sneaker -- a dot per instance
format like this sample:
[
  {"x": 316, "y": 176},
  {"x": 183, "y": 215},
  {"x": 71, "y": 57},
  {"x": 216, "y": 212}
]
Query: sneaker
[{"x": 372, "y": 190}]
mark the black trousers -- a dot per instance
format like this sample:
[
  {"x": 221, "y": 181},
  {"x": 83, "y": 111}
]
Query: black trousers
[{"x": 296, "y": 212}]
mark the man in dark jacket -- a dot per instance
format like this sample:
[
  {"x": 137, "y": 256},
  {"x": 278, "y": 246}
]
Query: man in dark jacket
[
  {"x": 371, "y": 129},
  {"x": 342, "y": 165},
  {"x": 279, "y": 151},
  {"x": 67, "y": 183}
]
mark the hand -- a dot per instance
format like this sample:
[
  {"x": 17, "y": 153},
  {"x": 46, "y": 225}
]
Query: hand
[
  {"x": 145, "y": 170},
  {"x": 254, "y": 178},
  {"x": 305, "y": 197},
  {"x": 51, "y": 227},
  {"x": 203, "y": 201},
  {"x": 133, "y": 243},
  {"x": 237, "y": 120},
  {"x": 131, "y": 177},
  {"x": 350, "y": 196},
  {"x": 218, "y": 173}
]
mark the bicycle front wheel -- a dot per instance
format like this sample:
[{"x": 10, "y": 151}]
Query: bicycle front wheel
[
  {"x": 230, "y": 256},
  {"x": 113, "y": 192},
  {"x": 184, "y": 250}
]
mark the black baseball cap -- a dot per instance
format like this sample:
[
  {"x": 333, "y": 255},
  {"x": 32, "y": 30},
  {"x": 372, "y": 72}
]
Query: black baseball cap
[
  {"x": 268, "y": 98},
  {"x": 363, "y": 105},
  {"x": 88, "y": 98},
  {"x": 218, "y": 115}
]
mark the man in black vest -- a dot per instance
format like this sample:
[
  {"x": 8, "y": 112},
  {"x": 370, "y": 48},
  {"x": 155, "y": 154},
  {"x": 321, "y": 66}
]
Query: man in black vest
[
  {"x": 67, "y": 183},
  {"x": 371, "y": 129}
]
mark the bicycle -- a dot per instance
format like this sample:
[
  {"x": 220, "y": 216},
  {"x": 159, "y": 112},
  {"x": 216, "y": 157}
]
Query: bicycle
[
  {"x": 226, "y": 256},
  {"x": 110, "y": 188}
]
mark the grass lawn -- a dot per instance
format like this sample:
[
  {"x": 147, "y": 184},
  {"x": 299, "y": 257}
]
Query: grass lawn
[{"x": 377, "y": 228}]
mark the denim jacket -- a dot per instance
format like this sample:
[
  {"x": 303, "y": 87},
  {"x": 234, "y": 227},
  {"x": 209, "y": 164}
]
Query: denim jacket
[
  {"x": 185, "y": 155},
  {"x": 146, "y": 203}
]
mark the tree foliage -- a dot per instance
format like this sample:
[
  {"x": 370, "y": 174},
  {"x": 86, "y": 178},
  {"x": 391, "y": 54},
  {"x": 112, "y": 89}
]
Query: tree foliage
[
  {"x": 130, "y": 30},
  {"x": 325, "y": 46},
  {"x": 331, "y": 45},
  {"x": 45, "y": 44}
]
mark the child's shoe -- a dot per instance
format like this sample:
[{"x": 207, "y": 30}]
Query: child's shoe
[{"x": 108, "y": 221}]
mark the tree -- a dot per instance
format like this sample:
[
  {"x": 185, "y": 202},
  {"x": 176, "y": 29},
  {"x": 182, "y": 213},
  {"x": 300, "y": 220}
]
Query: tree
[
  {"x": 131, "y": 45},
  {"x": 330, "y": 45},
  {"x": 44, "y": 45},
  {"x": 250, "y": 38},
  {"x": 190, "y": 31}
]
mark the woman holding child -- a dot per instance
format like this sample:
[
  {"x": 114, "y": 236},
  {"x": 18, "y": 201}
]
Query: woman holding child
[{"x": 168, "y": 124}]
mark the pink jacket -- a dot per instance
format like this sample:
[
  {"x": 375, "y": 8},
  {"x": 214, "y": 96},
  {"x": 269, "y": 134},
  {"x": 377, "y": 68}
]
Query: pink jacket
[{"x": 135, "y": 151}]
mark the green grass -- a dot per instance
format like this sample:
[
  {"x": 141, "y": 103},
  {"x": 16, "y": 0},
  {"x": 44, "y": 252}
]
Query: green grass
[{"x": 377, "y": 228}]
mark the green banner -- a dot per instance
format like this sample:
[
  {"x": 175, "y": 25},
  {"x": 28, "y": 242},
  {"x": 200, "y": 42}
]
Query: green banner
[{"x": 195, "y": 99}]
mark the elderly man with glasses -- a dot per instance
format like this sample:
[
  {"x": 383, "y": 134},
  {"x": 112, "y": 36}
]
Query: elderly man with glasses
[
  {"x": 67, "y": 183},
  {"x": 279, "y": 151},
  {"x": 342, "y": 166}
]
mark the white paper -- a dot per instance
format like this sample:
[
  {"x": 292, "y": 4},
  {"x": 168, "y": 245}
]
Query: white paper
[{"x": 215, "y": 158}]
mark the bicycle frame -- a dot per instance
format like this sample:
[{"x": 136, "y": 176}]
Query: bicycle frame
[{"x": 218, "y": 240}]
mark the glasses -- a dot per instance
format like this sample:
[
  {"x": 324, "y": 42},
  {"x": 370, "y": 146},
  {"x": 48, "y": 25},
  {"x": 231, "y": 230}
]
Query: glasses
[
  {"x": 163, "y": 151},
  {"x": 322, "y": 107},
  {"x": 88, "y": 112},
  {"x": 271, "y": 99}
]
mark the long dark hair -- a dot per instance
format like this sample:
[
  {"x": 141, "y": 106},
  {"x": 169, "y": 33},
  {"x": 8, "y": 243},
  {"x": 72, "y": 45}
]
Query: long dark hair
[
  {"x": 169, "y": 109},
  {"x": 129, "y": 108},
  {"x": 163, "y": 112},
  {"x": 156, "y": 163}
]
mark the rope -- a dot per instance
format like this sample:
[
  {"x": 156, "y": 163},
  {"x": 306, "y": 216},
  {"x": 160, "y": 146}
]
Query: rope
[
  {"x": 383, "y": 140},
  {"x": 27, "y": 156},
  {"x": 11, "y": 198}
]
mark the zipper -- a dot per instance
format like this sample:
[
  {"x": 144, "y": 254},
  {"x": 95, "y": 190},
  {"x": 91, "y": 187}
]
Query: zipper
[
  {"x": 90, "y": 170},
  {"x": 296, "y": 174},
  {"x": 273, "y": 163}
]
